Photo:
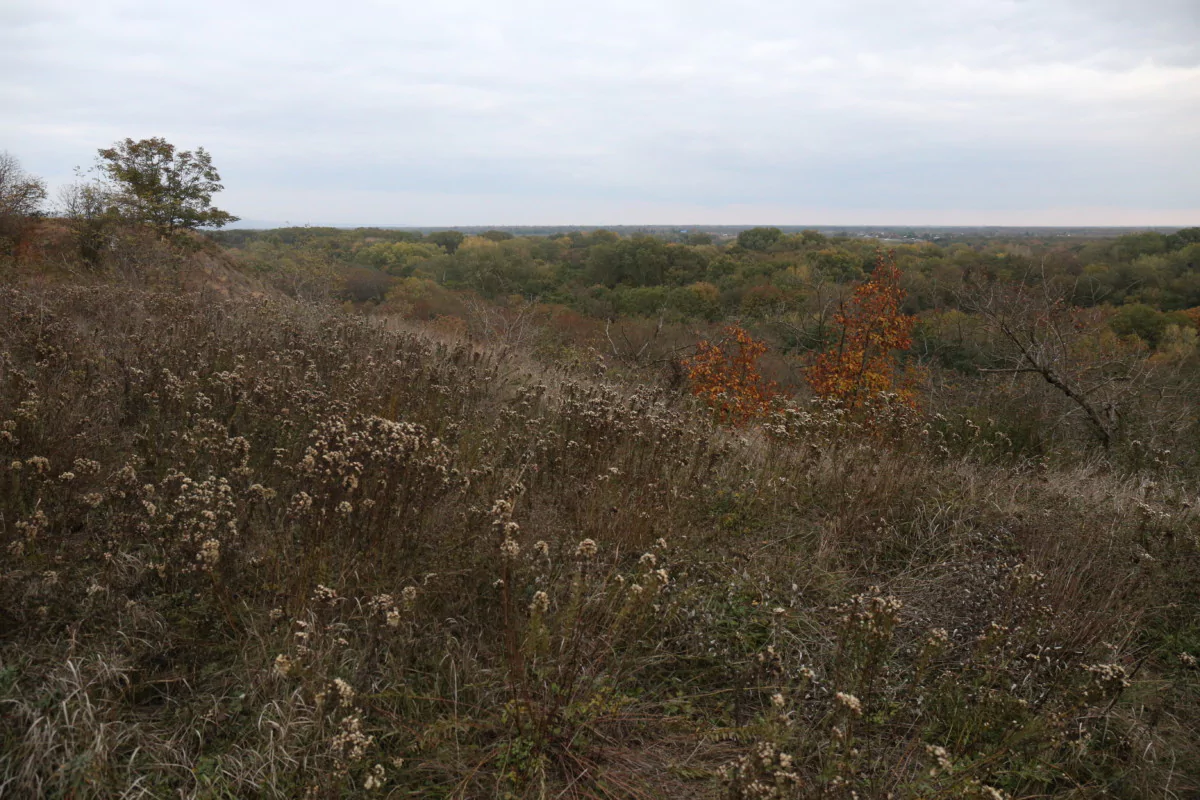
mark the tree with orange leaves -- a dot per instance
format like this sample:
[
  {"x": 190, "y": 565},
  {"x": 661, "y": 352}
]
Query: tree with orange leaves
[
  {"x": 725, "y": 375},
  {"x": 872, "y": 330}
]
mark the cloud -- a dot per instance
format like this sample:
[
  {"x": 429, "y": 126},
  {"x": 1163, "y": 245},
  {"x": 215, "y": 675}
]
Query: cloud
[{"x": 473, "y": 112}]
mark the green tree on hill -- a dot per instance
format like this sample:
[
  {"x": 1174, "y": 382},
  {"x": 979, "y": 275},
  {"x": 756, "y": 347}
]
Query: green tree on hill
[{"x": 153, "y": 183}]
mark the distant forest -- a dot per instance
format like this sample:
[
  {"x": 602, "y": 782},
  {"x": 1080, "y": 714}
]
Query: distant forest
[{"x": 1147, "y": 280}]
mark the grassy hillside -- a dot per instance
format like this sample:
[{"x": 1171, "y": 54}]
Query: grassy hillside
[{"x": 257, "y": 548}]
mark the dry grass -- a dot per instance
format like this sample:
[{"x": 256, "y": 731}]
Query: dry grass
[{"x": 261, "y": 548}]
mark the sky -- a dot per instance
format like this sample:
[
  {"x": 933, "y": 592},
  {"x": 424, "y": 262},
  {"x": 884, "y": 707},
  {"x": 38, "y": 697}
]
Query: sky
[{"x": 503, "y": 112}]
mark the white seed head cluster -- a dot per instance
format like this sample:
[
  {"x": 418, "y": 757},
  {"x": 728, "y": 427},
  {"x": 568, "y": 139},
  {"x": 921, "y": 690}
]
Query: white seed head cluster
[
  {"x": 302, "y": 637},
  {"x": 197, "y": 510},
  {"x": 345, "y": 692},
  {"x": 375, "y": 778},
  {"x": 510, "y": 549},
  {"x": 325, "y": 596},
  {"x": 257, "y": 490},
  {"x": 942, "y": 757},
  {"x": 764, "y": 773},
  {"x": 1109, "y": 678},
  {"x": 385, "y": 606},
  {"x": 937, "y": 638},
  {"x": 874, "y": 614},
  {"x": 209, "y": 555},
  {"x": 284, "y": 666},
  {"x": 350, "y": 744},
  {"x": 300, "y": 505},
  {"x": 850, "y": 703},
  {"x": 380, "y": 603}
]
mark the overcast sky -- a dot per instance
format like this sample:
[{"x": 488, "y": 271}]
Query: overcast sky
[{"x": 459, "y": 112}]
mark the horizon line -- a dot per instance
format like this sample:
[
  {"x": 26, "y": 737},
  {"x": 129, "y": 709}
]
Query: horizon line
[{"x": 269, "y": 224}]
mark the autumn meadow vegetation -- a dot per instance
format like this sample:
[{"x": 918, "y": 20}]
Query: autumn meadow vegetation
[{"x": 323, "y": 514}]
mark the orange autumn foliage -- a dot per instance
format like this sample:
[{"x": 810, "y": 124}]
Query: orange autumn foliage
[
  {"x": 872, "y": 329},
  {"x": 725, "y": 375}
]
